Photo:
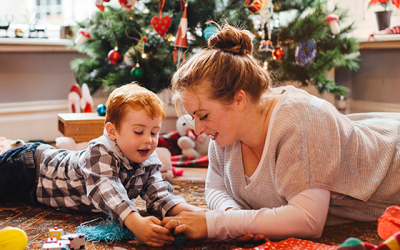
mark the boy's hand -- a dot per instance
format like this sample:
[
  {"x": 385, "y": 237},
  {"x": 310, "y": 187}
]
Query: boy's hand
[{"x": 148, "y": 230}]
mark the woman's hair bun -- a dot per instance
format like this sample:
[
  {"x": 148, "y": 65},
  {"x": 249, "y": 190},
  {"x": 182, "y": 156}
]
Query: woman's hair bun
[{"x": 231, "y": 39}]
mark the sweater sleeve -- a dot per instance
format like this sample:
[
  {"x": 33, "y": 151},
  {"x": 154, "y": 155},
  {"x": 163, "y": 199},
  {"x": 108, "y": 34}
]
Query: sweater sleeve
[
  {"x": 304, "y": 216},
  {"x": 216, "y": 195}
]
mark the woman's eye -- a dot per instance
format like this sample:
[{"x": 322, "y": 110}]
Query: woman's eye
[
  {"x": 138, "y": 133},
  {"x": 204, "y": 117}
]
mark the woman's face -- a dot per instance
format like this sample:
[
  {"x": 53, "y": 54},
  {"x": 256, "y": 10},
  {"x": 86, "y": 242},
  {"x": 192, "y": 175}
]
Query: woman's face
[{"x": 211, "y": 117}]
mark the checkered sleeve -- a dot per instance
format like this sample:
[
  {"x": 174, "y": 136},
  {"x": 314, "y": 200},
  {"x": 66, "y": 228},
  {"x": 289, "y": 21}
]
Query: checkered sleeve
[
  {"x": 159, "y": 194},
  {"x": 103, "y": 185}
]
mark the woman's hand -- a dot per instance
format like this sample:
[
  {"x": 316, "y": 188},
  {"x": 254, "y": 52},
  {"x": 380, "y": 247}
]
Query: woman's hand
[
  {"x": 148, "y": 230},
  {"x": 192, "y": 224}
]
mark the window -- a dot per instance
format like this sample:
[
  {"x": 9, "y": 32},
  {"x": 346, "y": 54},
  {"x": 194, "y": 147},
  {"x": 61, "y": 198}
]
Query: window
[{"x": 48, "y": 9}]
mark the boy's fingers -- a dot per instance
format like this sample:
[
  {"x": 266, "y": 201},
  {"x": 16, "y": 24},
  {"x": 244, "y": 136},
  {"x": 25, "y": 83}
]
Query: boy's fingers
[{"x": 155, "y": 220}]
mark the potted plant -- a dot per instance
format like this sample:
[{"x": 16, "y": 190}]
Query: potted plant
[{"x": 383, "y": 17}]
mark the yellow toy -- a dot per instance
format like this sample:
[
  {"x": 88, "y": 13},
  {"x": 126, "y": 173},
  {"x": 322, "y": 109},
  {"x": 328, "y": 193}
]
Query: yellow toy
[
  {"x": 12, "y": 238},
  {"x": 56, "y": 232}
]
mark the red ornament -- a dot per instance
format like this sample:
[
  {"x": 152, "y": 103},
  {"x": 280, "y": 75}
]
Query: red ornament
[
  {"x": 99, "y": 4},
  {"x": 161, "y": 24},
  {"x": 144, "y": 39},
  {"x": 127, "y": 3},
  {"x": 115, "y": 57},
  {"x": 253, "y": 5},
  {"x": 278, "y": 53}
]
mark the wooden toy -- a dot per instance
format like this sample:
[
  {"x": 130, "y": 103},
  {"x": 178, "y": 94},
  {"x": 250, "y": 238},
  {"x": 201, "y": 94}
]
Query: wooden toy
[
  {"x": 77, "y": 240},
  {"x": 55, "y": 246},
  {"x": 56, "y": 232}
]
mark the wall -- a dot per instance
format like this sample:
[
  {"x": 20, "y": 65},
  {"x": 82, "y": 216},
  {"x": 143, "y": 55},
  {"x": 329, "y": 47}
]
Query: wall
[
  {"x": 376, "y": 84},
  {"x": 35, "y": 79}
]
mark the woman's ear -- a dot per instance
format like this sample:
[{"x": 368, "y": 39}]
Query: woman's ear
[
  {"x": 110, "y": 130},
  {"x": 240, "y": 99}
]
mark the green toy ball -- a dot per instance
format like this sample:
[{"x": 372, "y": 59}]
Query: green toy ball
[{"x": 101, "y": 109}]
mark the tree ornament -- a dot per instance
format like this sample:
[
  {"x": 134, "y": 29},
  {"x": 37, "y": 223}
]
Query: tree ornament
[
  {"x": 128, "y": 57},
  {"x": 115, "y": 57},
  {"x": 161, "y": 24},
  {"x": 184, "y": 22},
  {"x": 209, "y": 31},
  {"x": 332, "y": 21},
  {"x": 140, "y": 46},
  {"x": 278, "y": 53},
  {"x": 253, "y": 5},
  {"x": 267, "y": 9},
  {"x": 101, "y": 110},
  {"x": 128, "y": 4},
  {"x": 306, "y": 52},
  {"x": 106, "y": 1},
  {"x": 174, "y": 55},
  {"x": 137, "y": 71},
  {"x": 82, "y": 36},
  {"x": 99, "y": 4}
]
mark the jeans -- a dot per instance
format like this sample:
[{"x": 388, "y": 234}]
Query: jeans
[{"x": 18, "y": 174}]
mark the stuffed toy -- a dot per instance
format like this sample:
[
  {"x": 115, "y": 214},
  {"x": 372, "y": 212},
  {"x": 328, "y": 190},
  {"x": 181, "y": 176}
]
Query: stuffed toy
[
  {"x": 165, "y": 157},
  {"x": 191, "y": 144}
]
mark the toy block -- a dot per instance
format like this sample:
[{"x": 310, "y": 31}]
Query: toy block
[
  {"x": 56, "y": 232},
  {"x": 78, "y": 240}
]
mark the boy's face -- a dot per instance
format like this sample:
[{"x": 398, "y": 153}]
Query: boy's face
[{"x": 138, "y": 134}]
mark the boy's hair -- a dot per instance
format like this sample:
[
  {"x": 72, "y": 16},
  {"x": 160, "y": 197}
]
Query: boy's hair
[
  {"x": 222, "y": 69},
  {"x": 134, "y": 96}
]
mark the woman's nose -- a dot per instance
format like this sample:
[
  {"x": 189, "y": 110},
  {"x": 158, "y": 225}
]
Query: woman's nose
[{"x": 199, "y": 128}]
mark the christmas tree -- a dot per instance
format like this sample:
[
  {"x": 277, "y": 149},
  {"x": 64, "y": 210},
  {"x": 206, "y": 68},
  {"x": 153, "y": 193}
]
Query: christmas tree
[{"x": 146, "y": 42}]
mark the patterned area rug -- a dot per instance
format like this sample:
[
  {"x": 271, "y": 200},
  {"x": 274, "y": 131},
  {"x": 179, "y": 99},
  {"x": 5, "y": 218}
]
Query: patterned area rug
[{"x": 36, "y": 221}]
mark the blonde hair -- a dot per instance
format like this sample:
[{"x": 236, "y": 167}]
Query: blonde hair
[
  {"x": 134, "y": 96},
  {"x": 224, "y": 68}
]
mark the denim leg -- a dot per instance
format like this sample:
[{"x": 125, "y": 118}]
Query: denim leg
[{"x": 17, "y": 173}]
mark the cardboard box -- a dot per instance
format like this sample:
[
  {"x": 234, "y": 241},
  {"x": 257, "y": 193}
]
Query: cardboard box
[{"x": 82, "y": 127}]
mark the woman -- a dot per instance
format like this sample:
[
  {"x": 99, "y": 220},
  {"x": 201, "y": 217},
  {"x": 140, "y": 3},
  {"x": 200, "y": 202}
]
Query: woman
[{"x": 283, "y": 163}]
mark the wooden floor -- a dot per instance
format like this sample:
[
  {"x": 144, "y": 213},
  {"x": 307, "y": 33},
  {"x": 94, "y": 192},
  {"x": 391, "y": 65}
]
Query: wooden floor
[{"x": 195, "y": 174}]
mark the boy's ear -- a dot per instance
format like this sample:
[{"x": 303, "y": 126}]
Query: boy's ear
[{"x": 110, "y": 130}]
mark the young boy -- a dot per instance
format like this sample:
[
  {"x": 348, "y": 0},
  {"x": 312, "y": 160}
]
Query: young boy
[{"x": 115, "y": 168}]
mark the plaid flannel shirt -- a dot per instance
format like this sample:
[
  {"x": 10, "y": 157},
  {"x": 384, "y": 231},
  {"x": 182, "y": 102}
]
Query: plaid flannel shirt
[{"x": 101, "y": 178}]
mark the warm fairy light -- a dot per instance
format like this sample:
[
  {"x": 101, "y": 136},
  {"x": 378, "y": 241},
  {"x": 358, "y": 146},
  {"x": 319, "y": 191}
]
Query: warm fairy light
[
  {"x": 147, "y": 31},
  {"x": 144, "y": 55},
  {"x": 146, "y": 11},
  {"x": 265, "y": 66}
]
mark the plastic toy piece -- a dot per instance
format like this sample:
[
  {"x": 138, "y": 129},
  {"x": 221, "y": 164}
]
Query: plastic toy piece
[
  {"x": 12, "y": 238},
  {"x": 60, "y": 245},
  {"x": 180, "y": 240},
  {"x": 56, "y": 232},
  {"x": 77, "y": 240}
]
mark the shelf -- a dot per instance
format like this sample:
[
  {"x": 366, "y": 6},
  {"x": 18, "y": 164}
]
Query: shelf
[{"x": 35, "y": 45}]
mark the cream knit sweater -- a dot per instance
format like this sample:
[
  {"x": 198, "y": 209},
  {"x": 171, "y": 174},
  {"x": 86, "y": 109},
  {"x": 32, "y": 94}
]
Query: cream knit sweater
[{"x": 312, "y": 145}]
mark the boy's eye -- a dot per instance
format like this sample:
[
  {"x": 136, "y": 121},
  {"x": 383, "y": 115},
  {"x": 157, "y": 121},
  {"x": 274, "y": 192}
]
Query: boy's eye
[{"x": 204, "y": 117}]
